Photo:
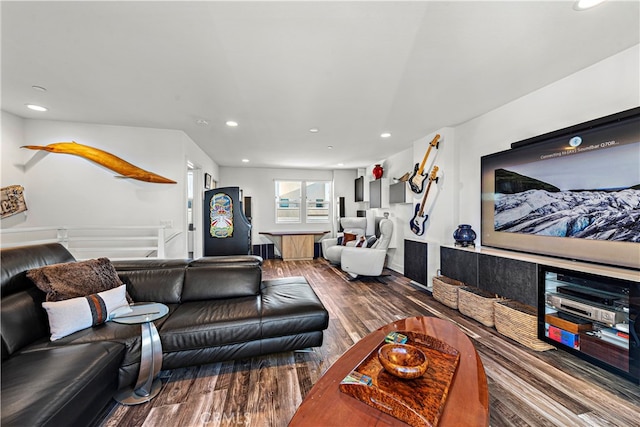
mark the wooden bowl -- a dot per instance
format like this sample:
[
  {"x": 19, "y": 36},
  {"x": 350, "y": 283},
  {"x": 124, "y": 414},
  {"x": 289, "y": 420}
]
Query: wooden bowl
[{"x": 403, "y": 361}]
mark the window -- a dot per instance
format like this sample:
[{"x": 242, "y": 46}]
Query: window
[
  {"x": 289, "y": 197},
  {"x": 318, "y": 195}
]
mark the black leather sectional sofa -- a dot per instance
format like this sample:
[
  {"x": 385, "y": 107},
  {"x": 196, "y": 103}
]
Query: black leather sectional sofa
[{"x": 219, "y": 309}]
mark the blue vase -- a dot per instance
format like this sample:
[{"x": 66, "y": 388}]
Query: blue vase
[{"x": 464, "y": 236}]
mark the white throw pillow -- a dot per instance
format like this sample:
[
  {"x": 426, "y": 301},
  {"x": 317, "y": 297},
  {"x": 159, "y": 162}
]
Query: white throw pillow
[{"x": 72, "y": 315}]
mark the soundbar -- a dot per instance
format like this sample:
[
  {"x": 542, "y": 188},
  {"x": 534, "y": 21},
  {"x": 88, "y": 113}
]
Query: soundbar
[{"x": 604, "y": 315}]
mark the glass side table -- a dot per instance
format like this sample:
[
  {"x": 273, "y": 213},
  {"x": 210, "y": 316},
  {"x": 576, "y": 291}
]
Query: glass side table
[{"x": 147, "y": 386}]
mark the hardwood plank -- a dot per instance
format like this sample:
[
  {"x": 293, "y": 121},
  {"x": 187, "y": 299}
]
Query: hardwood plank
[{"x": 526, "y": 388}]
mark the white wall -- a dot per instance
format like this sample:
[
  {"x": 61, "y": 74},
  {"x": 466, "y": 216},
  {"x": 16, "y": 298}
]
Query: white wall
[
  {"x": 605, "y": 88},
  {"x": 259, "y": 184},
  {"x": 344, "y": 186},
  {"x": 441, "y": 204},
  {"x": 63, "y": 189},
  {"x": 394, "y": 167}
]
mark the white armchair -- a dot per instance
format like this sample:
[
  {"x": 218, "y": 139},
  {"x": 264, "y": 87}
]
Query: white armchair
[
  {"x": 331, "y": 250},
  {"x": 368, "y": 261}
]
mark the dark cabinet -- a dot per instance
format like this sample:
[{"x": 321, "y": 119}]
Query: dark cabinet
[
  {"x": 379, "y": 193},
  {"x": 506, "y": 277},
  {"x": 359, "y": 189},
  {"x": 375, "y": 193},
  {"x": 594, "y": 317},
  {"x": 415, "y": 261}
]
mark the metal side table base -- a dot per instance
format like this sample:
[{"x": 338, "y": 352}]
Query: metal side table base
[
  {"x": 148, "y": 386},
  {"x": 128, "y": 396}
]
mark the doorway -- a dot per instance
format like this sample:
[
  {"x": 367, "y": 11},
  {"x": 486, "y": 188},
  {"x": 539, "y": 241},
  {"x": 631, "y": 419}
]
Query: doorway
[{"x": 195, "y": 195}]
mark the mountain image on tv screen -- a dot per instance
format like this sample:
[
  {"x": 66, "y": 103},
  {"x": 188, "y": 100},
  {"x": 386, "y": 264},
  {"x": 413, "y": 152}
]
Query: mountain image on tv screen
[{"x": 588, "y": 192}]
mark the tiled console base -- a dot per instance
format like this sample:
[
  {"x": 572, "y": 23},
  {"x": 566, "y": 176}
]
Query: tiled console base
[
  {"x": 506, "y": 277},
  {"x": 510, "y": 274}
]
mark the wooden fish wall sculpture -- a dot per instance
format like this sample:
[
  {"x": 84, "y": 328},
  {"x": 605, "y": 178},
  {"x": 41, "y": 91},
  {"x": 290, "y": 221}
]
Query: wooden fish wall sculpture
[{"x": 108, "y": 160}]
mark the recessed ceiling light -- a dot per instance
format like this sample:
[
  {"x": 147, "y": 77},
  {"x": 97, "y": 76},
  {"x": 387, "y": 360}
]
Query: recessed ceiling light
[
  {"x": 385, "y": 135},
  {"x": 39, "y": 88},
  {"x": 35, "y": 107},
  {"x": 314, "y": 130},
  {"x": 231, "y": 123},
  {"x": 586, "y": 4},
  {"x": 340, "y": 164},
  {"x": 202, "y": 122},
  {"x": 245, "y": 160},
  {"x": 330, "y": 147}
]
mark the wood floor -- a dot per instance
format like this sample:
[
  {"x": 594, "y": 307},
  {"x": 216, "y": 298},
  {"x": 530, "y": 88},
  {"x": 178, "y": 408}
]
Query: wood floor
[{"x": 526, "y": 388}]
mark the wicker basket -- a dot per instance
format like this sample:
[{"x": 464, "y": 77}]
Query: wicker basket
[
  {"x": 445, "y": 290},
  {"x": 477, "y": 304},
  {"x": 518, "y": 321}
]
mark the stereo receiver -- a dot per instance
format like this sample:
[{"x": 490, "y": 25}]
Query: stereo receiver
[{"x": 604, "y": 315}]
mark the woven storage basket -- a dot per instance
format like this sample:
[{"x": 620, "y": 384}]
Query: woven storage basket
[
  {"x": 445, "y": 290},
  {"x": 518, "y": 321},
  {"x": 477, "y": 304}
]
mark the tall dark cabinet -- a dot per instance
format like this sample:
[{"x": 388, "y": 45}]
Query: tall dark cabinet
[
  {"x": 359, "y": 189},
  {"x": 227, "y": 231}
]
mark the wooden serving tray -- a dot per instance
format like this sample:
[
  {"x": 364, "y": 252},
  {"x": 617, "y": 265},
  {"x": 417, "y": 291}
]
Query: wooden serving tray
[{"x": 418, "y": 402}]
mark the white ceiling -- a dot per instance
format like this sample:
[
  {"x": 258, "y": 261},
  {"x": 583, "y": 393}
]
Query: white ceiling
[{"x": 351, "y": 69}]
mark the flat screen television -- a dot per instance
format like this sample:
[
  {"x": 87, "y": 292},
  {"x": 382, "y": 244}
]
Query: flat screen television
[{"x": 572, "y": 193}]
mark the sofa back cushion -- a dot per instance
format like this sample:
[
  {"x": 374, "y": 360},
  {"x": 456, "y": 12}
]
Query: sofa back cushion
[
  {"x": 216, "y": 279},
  {"x": 153, "y": 280},
  {"x": 16, "y": 261},
  {"x": 22, "y": 318}
]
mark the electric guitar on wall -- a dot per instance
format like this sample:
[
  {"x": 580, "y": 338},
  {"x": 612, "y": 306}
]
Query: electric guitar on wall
[
  {"x": 420, "y": 218},
  {"x": 416, "y": 181}
]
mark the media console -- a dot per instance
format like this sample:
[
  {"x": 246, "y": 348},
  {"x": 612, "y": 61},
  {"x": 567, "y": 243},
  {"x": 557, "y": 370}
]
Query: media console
[
  {"x": 582, "y": 307},
  {"x": 595, "y": 317}
]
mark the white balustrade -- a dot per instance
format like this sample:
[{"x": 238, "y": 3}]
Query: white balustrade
[{"x": 114, "y": 242}]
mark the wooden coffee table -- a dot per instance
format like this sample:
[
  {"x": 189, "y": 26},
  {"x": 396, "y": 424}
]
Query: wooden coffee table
[{"x": 467, "y": 403}]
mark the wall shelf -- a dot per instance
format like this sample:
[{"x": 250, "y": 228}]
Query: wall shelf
[
  {"x": 400, "y": 193},
  {"x": 361, "y": 190},
  {"x": 379, "y": 193}
]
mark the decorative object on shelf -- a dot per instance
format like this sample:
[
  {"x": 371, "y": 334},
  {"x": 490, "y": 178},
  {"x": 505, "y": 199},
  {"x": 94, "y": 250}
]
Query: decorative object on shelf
[
  {"x": 420, "y": 218},
  {"x": 12, "y": 200},
  {"x": 103, "y": 158},
  {"x": 403, "y": 178},
  {"x": 378, "y": 171},
  {"x": 207, "y": 181},
  {"x": 416, "y": 181},
  {"x": 464, "y": 236}
]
